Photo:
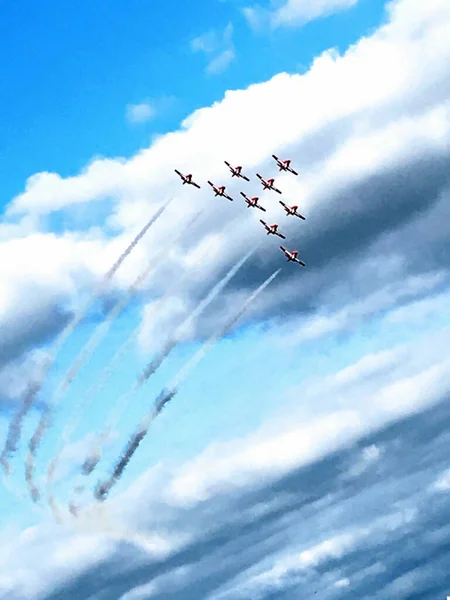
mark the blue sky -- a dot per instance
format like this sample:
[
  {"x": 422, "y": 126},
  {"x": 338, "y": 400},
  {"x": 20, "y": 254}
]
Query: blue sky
[
  {"x": 326, "y": 359},
  {"x": 71, "y": 72}
]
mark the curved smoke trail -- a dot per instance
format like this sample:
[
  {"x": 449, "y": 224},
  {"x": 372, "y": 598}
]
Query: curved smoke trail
[
  {"x": 102, "y": 489},
  {"x": 15, "y": 428},
  {"x": 95, "y": 455},
  {"x": 104, "y": 377},
  {"x": 99, "y": 333}
]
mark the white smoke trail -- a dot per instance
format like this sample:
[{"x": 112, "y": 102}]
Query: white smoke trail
[
  {"x": 104, "y": 377},
  {"x": 15, "y": 428},
  {"x": 99, "y": 333},
  {"x": 102, "y": 489},
  {"x": 95, "y": 455}
]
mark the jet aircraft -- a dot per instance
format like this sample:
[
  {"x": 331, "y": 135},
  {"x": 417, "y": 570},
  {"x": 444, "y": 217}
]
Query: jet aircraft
[
  {"x": 268, "y": 185},
  {"x": 292, "y": 256},
  {"x": 236, "y": 171},
  {"x": 292, "y": 210},
  {"x": 252, "y": 202},
  {"x": 187, "y": 179},
  {"x": 284, "y": 165},
  {"x": 272, "y": 229},
  {"x": 220, "y": 191}
]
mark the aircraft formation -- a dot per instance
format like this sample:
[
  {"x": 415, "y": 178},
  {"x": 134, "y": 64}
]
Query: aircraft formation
[
  {"x": 94, "y": 455},
  {"x": 253, "y": 202}
]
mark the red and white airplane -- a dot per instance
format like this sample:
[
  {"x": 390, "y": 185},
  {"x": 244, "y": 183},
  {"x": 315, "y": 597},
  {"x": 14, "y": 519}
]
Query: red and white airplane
[
  {"x": 220, "y": 191},
  {"x": 284, "y": 165},
  {"x": 236, "y": 171},
  {"x": 252, "y": 202},
  {"x": 292, "y": 210},
  {"x": 272, "y": 229},
  {"x": 292, "y": 256},
  {"x": 187, "y": 179},
  {"x": 268, "y": 185}
]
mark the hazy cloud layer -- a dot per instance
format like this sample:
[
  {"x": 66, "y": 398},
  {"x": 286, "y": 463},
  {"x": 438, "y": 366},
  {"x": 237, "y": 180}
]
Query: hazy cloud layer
[{"x": 372, "y": 518}]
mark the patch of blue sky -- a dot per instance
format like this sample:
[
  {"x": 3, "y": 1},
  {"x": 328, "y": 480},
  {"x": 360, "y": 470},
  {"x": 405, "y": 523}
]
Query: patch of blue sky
[
  {"x": 231, "y": 392},
  {"x": 242, "y": 382},
  {"x": 72, "y": 71},
  {"x": 80, "y": 217}
]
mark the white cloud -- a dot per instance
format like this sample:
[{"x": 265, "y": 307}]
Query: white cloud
[
  {"x": 331, "y": 414},
  {"x": 342, "y": 583},
  {"x": 140, "y": 113},
  {"x": 294, "y": 13},
  {"x": 201, "y": 517},
  {"x": 221, "y": 62},
  {"x": 368, "y": 458},
  {"x": 442, "y": 484},
  {"x": 218, "y": 47},
  {"x": 389, "y": 110},
  {"x": 194, "y": 528}
]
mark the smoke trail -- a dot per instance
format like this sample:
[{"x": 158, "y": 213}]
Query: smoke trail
[
  {"x": 99, "y": 385},
  {"x": 15, "y": 428},
  {"x": 94, "y": 457},
  {"x": 79, "y": 361},
  {"x": 103, "y": 489},
  {"x": 103, "y": 378}
]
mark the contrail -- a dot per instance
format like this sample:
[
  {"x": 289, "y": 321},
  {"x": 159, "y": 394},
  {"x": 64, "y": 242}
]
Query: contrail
[
  {"x": 99, "y": 333},
  {"x": 103, "y": 489},
  {"x": 94, "y": 457},
  {"x": 15, "y": 428},
  {"x": 104, "y": 377},
  {"x": 95, "y": 389}
]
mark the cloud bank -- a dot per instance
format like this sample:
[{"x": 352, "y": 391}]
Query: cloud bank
[{"x": 350, "y": 496}]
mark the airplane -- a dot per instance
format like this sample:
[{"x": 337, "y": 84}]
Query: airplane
[
  {"x": 187, "y": 179},
  {"x": 292, "y": 210},
  {"x": 284, "y": 165},
  {"x": 268, "y": 185},
  {"x": 252, "y": 202},
  {"x": 292, "y": 256},
  {"x": 236, "y": 171},
  {"x": 220, "y": 191},
  {"x": 272, "y": 229}
]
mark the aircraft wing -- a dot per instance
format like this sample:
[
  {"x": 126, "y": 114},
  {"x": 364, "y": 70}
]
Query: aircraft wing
[{"x": 195, "y": 184}]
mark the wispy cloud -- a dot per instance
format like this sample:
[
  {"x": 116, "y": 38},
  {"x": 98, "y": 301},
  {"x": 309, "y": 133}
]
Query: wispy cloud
[
  {"x": 294, "y": 13},
  {"x": 368, "y": 529},
  {"x": 140, "y": 113},
  {"x": 218, "y": 47}
]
